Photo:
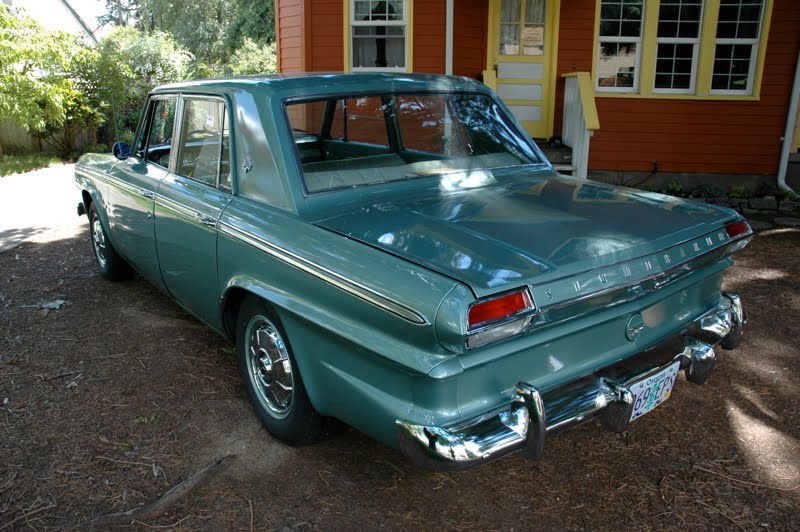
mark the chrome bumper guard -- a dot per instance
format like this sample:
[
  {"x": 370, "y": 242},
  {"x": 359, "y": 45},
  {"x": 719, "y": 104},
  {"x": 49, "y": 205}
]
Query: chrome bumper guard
[{"x": 524, "y": 424}]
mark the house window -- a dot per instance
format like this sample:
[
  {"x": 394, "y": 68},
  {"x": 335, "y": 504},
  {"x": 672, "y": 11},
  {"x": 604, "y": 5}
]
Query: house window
[
  {"x": 378, "y": 33},
  {"x": 738, "y": 30},
  {"x": 677, "y": 45},
  {"x": 522, "y": 24},
  {"x": 619, "y": 40}
]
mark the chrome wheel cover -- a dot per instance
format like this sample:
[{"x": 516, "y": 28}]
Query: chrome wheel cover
[
  {"x": 269, "y": 366},
  {"x": 99, "y": 241}
]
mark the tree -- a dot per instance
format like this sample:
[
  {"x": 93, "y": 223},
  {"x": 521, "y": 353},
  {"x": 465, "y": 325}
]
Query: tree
[
  {"x": 213, "y": 31},
  {"x": 251, "y": 58},
  {"x": 119, "y": 12},
  {"x": 130, "y": 63},
  {"x": 38, "y": 88}
]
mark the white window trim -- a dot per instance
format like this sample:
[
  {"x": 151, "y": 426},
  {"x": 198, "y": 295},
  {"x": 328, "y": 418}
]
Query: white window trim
[
  {"x": 638, "y": 63},
  {"x": 751, "y": 71},
  {"x": 402, "y": 23},
  {"x": 755, "y": 43},
  {"x": 695, "y": 55},
  {"x": 692, "y": 73}
]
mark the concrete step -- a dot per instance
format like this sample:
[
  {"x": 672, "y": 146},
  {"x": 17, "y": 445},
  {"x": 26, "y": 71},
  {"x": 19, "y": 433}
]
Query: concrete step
[{"x": 567, "y": 169}]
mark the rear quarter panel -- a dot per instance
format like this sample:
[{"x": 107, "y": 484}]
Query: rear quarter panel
[{"x": 359, "y": 362}]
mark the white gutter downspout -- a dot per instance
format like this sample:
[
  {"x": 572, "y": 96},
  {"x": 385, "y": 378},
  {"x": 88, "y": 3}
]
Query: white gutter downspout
[
  {"x": 448, "y": 46},
  {"x": 788, "y": 134}
]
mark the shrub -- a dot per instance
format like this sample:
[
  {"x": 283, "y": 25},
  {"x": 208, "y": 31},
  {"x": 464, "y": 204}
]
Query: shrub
[
  {"x": 738, "y": 191},
  {"x": 707, "y": 191}
]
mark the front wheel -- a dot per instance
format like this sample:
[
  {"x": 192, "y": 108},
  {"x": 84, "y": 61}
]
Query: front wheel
[
  {"x": 273, "y": 382},
  {"x": 112, "y": 266}
]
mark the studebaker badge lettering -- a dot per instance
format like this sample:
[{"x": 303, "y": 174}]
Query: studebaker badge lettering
[{"x": 405, "y": 260}]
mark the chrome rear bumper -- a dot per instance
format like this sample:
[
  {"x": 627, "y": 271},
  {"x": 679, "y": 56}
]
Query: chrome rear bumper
[{"x": 524, "y": 424}]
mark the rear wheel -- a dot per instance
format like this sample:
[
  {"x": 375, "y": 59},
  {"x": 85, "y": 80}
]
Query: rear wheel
[
  {"x": 112, "y": 266},
  {"x": 273, "y": 382}
]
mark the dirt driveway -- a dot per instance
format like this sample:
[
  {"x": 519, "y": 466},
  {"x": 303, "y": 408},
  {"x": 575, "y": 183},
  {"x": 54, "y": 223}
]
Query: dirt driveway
[{"x": 113, "y": 395}]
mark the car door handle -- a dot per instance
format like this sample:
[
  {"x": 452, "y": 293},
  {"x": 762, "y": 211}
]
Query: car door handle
[
  {"x": 206, "y": 220},
  {"x": 149, "y": 194}
]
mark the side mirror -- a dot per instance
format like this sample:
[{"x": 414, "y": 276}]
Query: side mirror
[{"x": 121, "y": 150}]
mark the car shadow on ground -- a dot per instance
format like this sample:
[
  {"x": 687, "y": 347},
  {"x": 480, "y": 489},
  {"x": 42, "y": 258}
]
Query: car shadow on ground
[
  {"x": 118, "y": 394},
  {"x": 11, "y": 238}
]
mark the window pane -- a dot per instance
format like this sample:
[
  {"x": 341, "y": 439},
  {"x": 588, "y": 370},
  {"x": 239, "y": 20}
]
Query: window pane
[
  {"x": 679, "y": 18},
  {"x": 732, "y": 67},
  {"x": 379, "y": 46},
  {"x": 509, "y": 39},
  {"x": 363, "y": 120},
  {"x": 621, "y": 19},
  {"x": 453, "y": 139},
  {"x": 201, "y": 140},
  {"x": 631, "y": 29},
  {"x": 535, "y": 11},
  {"x": 609, "y": 28},
  {"x": 609, "y": 11},
  {"x": 739, "y": 24},
  {"x": 378, "y": 10},
  {"x": 510, "y": 11},
  {"x": 617, "y": 65},
  {"x": 674, "y": 66},
  {"x": 738, "y": 19},
  {"x": 533, "y": 39},
  {"x": 426, "y": 125},
  {"x": 159, "y": 144}
]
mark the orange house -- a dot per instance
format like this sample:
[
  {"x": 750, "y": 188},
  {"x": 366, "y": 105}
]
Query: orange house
[{"x": 631, "y": 85}]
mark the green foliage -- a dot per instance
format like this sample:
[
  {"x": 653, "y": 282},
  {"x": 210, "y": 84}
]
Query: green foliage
[
  {"x": 130, "y": 63},
  {"x": 786, "y": 195},
  {"x": 739, "y": 191},
  {"x": 201, "y": 27},
  {"x": 251, "y": 20},
  {"x": 213, "y": 31},
  {"x": 707, "y": 191},
  {"x": 251, "y": 58},
  {"x": 673, "y": 188},
  {"x": 17, "y": 164},
  {"x": 42, "y": 86}
]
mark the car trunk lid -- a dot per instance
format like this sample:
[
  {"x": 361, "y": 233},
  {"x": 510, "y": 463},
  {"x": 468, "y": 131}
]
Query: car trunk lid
[{"x": 523, "y": 233}]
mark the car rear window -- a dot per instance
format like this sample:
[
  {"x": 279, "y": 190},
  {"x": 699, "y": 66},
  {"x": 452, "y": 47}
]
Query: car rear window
[{"x": 357, "y": 141}]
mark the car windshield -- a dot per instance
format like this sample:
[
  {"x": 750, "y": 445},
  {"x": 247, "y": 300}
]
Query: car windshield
[{"x": 356, "y": 141}]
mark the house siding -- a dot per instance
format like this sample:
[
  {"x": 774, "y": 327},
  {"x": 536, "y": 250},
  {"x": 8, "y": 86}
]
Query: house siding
[
  {"x": 685, "y": 135},
  {"x": 327, "y": 36},
  {"x": 430, "y": 21},
  {"x": 470, "y": 20},
  {"x": 289, "y": 16}
]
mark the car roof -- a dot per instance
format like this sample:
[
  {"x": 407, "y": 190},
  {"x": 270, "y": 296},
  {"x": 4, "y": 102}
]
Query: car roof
[{"x": 304, "y": 84}]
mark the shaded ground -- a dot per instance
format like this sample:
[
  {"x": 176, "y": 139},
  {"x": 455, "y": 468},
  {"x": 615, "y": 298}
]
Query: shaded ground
[{"x": 111, "y": 399}]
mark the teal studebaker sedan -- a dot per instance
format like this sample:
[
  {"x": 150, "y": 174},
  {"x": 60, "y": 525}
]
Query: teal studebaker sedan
[{"x": 394, "y": 252}]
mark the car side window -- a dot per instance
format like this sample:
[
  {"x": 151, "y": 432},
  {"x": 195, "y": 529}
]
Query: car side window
[
  {"x": 159, "y": 139},
  {"x": 204, "y": 150}
]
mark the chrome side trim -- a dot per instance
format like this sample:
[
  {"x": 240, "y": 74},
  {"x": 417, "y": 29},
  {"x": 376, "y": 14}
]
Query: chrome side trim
[
  {"x": 524, "y": 423},
  {"x": 176, "y": 207},
  {"x": 655, "y": 270},
  {"x": 339, "y": 281}
]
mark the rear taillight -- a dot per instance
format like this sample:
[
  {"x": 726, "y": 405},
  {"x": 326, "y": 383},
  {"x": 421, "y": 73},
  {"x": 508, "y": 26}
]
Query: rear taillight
[
  {"x": 737, "y": 229},
  {"x": 498, "y": 309},
  {"x": 740, "y": 234},
  {"x": 498, "y": 318}
]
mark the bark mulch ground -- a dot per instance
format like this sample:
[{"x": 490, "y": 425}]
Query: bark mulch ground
[{"x": 111, "y": 397}]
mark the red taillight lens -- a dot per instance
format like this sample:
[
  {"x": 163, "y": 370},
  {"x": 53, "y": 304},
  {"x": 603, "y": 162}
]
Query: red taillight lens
[
  {"x": 499, "y": 308},
  {"x": 737, "y": 229}
]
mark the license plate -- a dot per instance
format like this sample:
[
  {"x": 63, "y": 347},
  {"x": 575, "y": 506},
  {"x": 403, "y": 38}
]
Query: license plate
[{"x": 652, "y": 391}]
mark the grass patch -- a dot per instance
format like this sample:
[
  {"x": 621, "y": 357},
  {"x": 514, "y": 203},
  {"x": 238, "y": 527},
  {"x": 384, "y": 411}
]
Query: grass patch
[{"x": 16, "y": 164}]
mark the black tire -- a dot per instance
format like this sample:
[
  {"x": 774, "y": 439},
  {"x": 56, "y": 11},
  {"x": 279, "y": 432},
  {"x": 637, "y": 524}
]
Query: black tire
[
  {"x": 287, "y": 415},
  {"x": 112, "y": 266}
]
